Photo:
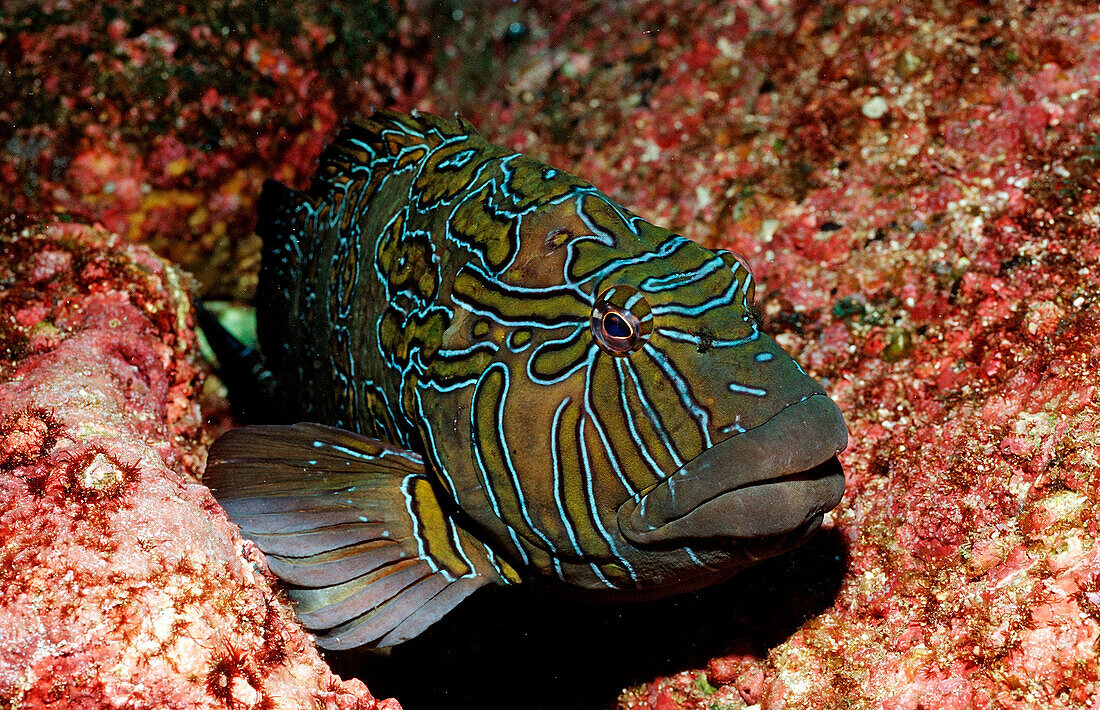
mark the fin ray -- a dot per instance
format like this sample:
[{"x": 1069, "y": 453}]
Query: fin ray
[
  {"x": 355, "y": 525},
  {"x": 447, "y": 599},
  {"x": 381, "y": 620},
  {"x": 328, "y": 607},
  {"x": 335, "y": 566}
]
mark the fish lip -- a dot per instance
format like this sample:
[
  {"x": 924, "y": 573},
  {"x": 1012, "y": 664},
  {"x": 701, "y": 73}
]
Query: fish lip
[{"x": 778, "y": 477}]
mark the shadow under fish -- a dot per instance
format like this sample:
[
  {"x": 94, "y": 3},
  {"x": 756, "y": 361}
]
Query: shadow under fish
[{"x": 506, "y": 376}]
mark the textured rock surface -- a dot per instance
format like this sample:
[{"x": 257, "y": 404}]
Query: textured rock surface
[{"x": 122, "y": 584}]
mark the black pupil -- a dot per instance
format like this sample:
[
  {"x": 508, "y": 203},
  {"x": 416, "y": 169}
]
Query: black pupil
[{"x": 616, "y": 327}]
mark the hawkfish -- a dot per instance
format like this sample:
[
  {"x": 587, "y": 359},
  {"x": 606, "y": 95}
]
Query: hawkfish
[{"x": 498, "y": 374}]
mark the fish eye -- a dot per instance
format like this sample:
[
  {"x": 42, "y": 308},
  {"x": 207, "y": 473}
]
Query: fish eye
[
  {"x": 621, "y": 320},
  {"x": 615, "y": 327}
]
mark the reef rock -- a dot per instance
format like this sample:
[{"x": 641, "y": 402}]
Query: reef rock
[{"x": 122, "y": 584}]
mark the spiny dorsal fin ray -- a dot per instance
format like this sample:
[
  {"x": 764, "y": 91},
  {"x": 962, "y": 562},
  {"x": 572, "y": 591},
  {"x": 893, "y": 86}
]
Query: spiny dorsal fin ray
[
  {"x": 365, "y": 153},
  {"x": 386, "y": 141},
  {"x": 355, "y": 524}
]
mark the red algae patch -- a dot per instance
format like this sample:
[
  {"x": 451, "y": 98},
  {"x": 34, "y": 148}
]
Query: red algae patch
[{"x": 122, "y": 584}]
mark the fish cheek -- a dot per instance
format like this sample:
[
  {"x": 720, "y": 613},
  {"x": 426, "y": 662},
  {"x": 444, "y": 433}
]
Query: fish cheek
[{"x": 666, "y": 383}]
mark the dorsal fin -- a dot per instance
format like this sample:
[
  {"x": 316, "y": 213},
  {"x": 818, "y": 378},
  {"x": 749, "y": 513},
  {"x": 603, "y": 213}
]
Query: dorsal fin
[
  {"x": 387, "y": 141},
  {"x": 354, "y": 525}
]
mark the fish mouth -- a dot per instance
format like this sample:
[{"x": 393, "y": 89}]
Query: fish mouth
[{"x": 773, "y": 479}]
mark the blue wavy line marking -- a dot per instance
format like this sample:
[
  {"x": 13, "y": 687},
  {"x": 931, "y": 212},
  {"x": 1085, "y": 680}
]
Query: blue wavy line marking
[
  {"x": 592, "y": 504},
  {"x": 507, "y": 457},
  {"x": 555, "y": 466},
  {"x": 669, "y": 282}
]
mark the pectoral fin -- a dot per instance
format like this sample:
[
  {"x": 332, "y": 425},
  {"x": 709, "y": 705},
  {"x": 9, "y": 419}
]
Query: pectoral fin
[{"x": 354, "y": 524}]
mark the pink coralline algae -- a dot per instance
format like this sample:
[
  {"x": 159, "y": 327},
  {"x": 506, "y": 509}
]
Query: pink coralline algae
[{"x": 122, "y": 584}]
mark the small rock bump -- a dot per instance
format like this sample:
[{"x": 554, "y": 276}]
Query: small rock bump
[
  {"x": 100, "y": 475},
  {"x": 875, "y": 107}
]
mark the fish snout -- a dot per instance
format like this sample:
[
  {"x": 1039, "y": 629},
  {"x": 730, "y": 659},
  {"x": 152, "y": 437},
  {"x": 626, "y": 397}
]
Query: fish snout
[{"x": 776, "y": 478}]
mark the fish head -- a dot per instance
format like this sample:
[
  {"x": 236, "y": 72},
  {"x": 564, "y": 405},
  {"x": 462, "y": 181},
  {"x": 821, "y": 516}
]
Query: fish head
[
  {"x": 624, "y": 423},
  {"x": 752, "y": 439},
  {"x": 741, "y": 442}
]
